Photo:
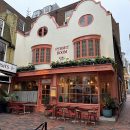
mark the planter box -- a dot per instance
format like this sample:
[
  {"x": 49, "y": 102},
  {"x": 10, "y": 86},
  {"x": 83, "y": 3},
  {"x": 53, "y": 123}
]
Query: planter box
[{"x": 107, "y": 112}]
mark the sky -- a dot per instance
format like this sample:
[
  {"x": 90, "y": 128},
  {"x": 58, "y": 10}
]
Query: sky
[{"x": 120, "y": 10}]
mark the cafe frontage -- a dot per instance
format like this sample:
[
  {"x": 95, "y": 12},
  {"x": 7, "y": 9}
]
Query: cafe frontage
[{"x": 83, "y": 86}]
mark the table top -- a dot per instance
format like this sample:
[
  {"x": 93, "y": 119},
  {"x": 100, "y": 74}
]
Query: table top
[{"x": 30, "y": 104}]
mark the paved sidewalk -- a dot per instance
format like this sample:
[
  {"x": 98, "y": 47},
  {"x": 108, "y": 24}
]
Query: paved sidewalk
[{"x": 31, "y": 121}]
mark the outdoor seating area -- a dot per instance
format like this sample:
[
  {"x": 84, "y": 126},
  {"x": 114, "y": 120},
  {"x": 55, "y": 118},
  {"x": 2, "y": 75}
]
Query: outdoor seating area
[
  {"x": 21, "y": 107},
  {"x": 75, "y": 114}
]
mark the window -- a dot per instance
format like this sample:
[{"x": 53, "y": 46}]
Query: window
[
  {"x": 68, "y": 15},
  {"x": 41, "y": 54},
  {"x": 2, "y": 50},
  {"x": 79, "y": 88},
  {"x": 45, "y": 93},
  {"x": 87, "y": 46},
  {"x": 85, "y": 20},
  {"x": 36, "y": 13},
  {"x": 42, "y": 31},
  {"x": 21, "y": 25},
  {"x": 1, "y": 27}
]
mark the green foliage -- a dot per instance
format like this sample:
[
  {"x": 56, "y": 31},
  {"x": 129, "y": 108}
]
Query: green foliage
[
  {"x": 60, "y": 99},
  {"x": 5, "y": 96},
  {"x": 82, "y": 62},
  {"x": 109, "y": 103},
  {"x": 26, "y": 68}
]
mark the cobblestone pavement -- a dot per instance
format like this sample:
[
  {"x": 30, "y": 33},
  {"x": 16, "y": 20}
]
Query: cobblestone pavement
[{"x": 31, "y": 121}]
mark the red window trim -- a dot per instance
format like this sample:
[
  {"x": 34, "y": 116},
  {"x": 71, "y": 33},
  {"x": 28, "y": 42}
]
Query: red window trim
[
  {"x": 86, "y": 37},
  {"x": 86, "y": 19},
  {"x": 44, "y": 27},
  {"x": 40, "y": 46}
]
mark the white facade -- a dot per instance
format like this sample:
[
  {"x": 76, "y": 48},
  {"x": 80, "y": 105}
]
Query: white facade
[{"x": 63, "y": 36}]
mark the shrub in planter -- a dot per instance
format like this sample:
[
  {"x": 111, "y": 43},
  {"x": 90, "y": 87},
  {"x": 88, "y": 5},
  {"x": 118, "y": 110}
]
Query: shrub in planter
[{"x": 109, "y": 106}]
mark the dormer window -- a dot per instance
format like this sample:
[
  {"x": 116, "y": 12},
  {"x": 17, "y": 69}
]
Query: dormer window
[
  {"x": 42, "y": 31},
  {"x": 21, "y": 25},
  {"x": 68, "y": 15}
]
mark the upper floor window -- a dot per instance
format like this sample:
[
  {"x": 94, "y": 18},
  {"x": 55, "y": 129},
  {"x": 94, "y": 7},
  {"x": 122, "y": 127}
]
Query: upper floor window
[
  {"x": 87, "y": 46},
  {"x": 68, "y": 15},
  {"x": 21, "y": 25},
  {"x": 2, "y": 50},
  {"x": 1, "y": 27},
  {"x": 41, "y": 54},
  {"x": 85, "y": 20},
  {"x": 36, "y": 13},
  {"x": 42, "y": 31}
]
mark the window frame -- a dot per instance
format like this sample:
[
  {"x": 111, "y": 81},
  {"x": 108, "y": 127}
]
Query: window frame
[
  {"x": 21, "y": 25},
  {"x": 3, "y": 49},
  {"x": 86, "y": 38},
  {"x": 42, "y": 31},
  {"x": 2, "y": 27},
  {"x": 66, "y": 83},
  {"x": 39, "y": 48},
  {"x": 86, "y": 20}
]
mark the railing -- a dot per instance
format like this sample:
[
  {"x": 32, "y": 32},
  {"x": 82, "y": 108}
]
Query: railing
[{"x": 42, "y": 126}]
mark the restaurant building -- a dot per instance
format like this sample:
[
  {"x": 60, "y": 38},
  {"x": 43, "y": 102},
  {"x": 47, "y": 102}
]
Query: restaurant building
[{"x": 82, "y": 30}]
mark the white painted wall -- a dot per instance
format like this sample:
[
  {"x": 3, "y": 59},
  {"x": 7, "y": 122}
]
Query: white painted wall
[{"x": 64, "y": 36}]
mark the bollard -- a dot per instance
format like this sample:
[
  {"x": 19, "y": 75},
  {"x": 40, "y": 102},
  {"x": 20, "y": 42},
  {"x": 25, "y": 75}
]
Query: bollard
[{"x": 45, "y": 125}]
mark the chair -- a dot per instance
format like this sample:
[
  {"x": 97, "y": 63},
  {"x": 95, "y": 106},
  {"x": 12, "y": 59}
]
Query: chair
[
  {"x": 48, "y": 110},
  {"x": 93, "y": 115}
]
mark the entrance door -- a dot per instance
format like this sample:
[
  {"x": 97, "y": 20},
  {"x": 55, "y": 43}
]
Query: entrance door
[{"x": 45, "y": 93}]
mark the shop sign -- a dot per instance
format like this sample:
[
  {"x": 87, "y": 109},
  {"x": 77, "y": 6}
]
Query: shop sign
[
  {"x": 62, "y": 50},
  {"x": 8, "y": 67},
  {"x": 46, "y": 81}
]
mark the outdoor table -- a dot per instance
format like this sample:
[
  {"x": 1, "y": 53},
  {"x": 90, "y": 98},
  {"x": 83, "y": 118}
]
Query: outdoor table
[{"x": 28, "y": 105}]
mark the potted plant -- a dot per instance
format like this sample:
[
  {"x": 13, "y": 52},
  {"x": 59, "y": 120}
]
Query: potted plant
[
  {"x": 109, "y": 106},
  {"x": 5, "y": 97},
  {"x": 60, "y": 99}
]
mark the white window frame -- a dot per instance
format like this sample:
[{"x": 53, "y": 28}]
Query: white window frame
[
  {"x": 23, "y": 25},
  {"x": 2, "y": 27},
  {"x": 68, "y": 15},
  {"x": 5, "y": 49}
]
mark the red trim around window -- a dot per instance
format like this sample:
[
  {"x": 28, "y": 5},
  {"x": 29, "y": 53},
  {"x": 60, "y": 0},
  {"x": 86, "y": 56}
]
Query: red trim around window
[
  {"x": 87, "y": 38},
  {"x": 41, "y": 30},
  {"x": 86, "y": 20},
  {"x": 37, "y": 60}
]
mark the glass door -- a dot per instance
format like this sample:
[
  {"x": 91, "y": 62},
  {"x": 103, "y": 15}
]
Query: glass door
[{"x": 45, "y": 93}]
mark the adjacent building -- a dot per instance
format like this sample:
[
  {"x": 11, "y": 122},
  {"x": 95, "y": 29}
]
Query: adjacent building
[
  {"x": 126, "y": 67},
  {"x": 10, "y": 22},
  {"x": 7, "y": 69}
]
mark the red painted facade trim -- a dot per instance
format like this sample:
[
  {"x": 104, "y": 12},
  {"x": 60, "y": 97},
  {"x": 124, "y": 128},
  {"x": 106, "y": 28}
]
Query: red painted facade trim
[
  {"x": 86, "y": 20},
  {"x": 92, "y": 36},
  {"x": 65, "y": 70}
]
